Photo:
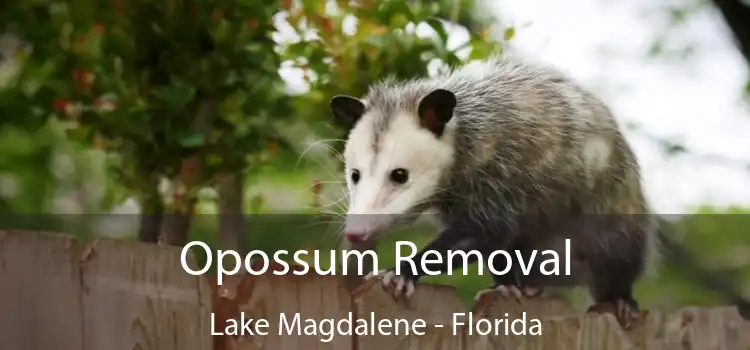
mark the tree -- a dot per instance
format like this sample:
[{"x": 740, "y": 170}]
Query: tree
[
  {"x": 189, "y": 91},
  {"x": 383, "y": 44},
  {"x": 182, "y": 90},
  {"x": 736, "y": 14},
  {"x": 715, "y": 235}
]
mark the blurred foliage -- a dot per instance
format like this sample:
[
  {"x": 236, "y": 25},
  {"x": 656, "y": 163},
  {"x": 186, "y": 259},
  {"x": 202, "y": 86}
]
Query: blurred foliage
[
  {"x": 155, "y": 85},
  {"x": 672, "y": 44},
  {"x": 185, "y": 91},
  {"x": 353, "y": 46},
  {"x": 150, "y": 83},
  {"x": 675, "y": 43},
  {"x": 102, "y": 100}
]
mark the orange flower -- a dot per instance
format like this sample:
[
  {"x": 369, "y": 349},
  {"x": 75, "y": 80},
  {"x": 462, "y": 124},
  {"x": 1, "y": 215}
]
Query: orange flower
[
  {"x": 327, "y": 25},
  {"x": 62, "y": 105},
  {"x": 85, "y": 77},
  {"x": 251, "y": 22},
  {"x": 99, "y": 28},
  {"x": 99, "y": 143},
  {"x": 104, "y": 105}
]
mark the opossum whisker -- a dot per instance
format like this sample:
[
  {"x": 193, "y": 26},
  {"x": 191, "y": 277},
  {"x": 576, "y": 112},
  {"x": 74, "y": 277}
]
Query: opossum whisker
[
  {"x": 335, "y": 230},
  {"x": 326, "y": 204},
  {"x": 337, "y": 182},
  {"x": 338, "y": 204},
  {"x": 326, "y": 146}
]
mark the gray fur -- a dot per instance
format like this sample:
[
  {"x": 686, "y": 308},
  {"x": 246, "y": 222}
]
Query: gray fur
[
  {"x": 521, "y": 178},
  {"x": 520, "y": 132}
]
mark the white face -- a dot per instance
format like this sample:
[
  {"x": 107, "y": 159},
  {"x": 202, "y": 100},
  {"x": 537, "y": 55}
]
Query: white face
[{"x": 387, "y": 181}]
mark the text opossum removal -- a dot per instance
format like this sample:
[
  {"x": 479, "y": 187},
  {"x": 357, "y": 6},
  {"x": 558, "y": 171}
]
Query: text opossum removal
[{"x": 257, "y": 262}]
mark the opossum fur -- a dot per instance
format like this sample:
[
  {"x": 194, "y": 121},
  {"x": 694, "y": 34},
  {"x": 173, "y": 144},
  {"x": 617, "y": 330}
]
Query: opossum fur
[{"x": 511, "y": 156}]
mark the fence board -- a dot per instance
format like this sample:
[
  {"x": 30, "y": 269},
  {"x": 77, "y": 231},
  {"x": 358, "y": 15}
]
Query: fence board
[
  {"x": 650, "y": 332},
  {"x": 128, "y": 295},
  {"x": 707, "y": 328},
  {"x": 137, "y": 296},
  {"x": 39, "y": 292},
  {"x": 495, "y": 305},
  {"x": 561, "y": 326},
  {"x": 433, "y": 304},
  {"x": 269, "y": 296},
  {"x": 588, "y": 332}
]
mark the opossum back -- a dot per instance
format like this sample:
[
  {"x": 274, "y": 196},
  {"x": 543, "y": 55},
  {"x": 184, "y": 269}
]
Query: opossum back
[{"x": 535, "y": 136}]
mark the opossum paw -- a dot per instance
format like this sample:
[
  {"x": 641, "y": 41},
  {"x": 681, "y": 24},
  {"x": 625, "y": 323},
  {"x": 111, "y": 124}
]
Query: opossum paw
[
  {"x": 626, "y": 311},
  {"x": 512, "y": 291},
  {"x": 399, "y": 285},
  {"x": 371, "y": 275}
]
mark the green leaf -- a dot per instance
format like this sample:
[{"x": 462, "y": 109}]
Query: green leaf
[
  {"x": 177, "y": 96},
  {"x": 387, "y": 9},
  {"x": 438, "y": 26},
  {"x": 375, "y": 40},
  {"x": 673, "y": 148},
  {"x": 221, "y": 32},
  {"x": 192, "y": 139},
  {"x": 478, "y": 50},
  {"x": 256, "y": 204},
  {"x": 510, "y": 32}
]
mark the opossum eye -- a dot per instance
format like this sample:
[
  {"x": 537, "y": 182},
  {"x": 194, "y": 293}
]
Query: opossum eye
[
  {"x": 355, "y": 176},
  {"x": 399, "y": 176}
]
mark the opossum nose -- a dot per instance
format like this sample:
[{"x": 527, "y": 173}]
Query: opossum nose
[{"x": 354, "y": 237}]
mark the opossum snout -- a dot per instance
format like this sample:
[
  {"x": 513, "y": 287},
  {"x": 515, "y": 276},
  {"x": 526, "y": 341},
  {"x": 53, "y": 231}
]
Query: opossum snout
[
  {"x": 360, "y": 228},
  {"x": 355, "y": 237}
]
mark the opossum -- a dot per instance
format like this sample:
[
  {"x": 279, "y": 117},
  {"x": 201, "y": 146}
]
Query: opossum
[{"x": 511, "y": 156}]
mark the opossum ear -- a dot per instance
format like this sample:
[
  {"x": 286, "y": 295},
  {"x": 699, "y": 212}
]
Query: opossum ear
[
  {"x": 346, "y": 110},
  {"x": 436, "y": 109}
]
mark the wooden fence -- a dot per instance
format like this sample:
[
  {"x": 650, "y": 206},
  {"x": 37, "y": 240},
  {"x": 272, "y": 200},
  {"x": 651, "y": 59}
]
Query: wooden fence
[{"x": 55, "y": 294}]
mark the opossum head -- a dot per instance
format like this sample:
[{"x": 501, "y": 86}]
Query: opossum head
[{"x": 395, "y": 157}]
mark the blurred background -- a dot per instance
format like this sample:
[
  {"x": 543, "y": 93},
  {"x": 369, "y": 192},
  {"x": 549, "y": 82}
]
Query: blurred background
[{"x": 143, "y": 120}]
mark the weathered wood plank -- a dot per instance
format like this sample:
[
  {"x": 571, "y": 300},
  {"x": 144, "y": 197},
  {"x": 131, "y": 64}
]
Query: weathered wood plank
[
  {"x": 517, "y": 315},
  {"x": 269, "y": 296},
  {"x": 435, "y": 305},
  {"x": 649, "y": 332},
  {"x": 127, "y": 295},
  {"x": 137, "y": 296},
  {"x": 707, "y": 328},
  {"x": 495, "y": 305},
  {"x": 692, "y": 328},
  {"x": 39, "y": 292},
  {"x": 588, "y": 332}
]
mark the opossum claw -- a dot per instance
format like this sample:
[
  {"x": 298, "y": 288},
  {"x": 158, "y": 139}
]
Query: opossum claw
[
  {"x": 410, "y": 287},
  {"x": 371, "y": 276},
  {"x": 508, "y": 291},
  {"x": 532, "y": 291},
  {"x": 388, "y": 277},
  {"x": 625, "y": 313},
  {"x": 401, "y": 284}
]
